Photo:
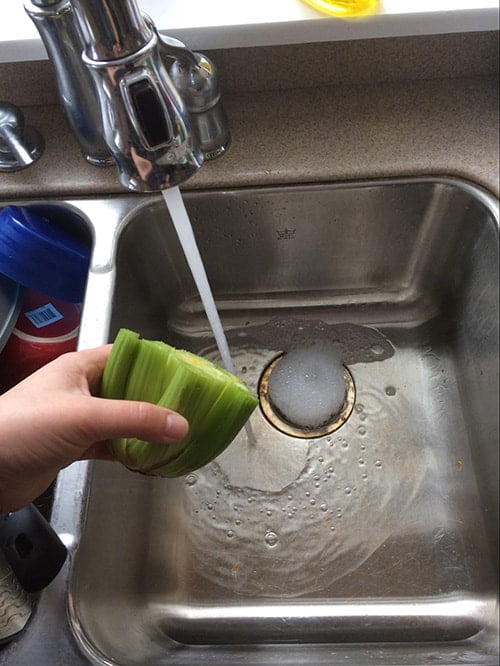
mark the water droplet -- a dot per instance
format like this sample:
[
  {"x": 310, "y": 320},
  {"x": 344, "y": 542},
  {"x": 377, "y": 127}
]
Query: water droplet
[
  {"x": 378, "y": 350},
  {"x": 345, "y": 444},
  {"x": 210, "y": 506},
  {"x": 361, "y": 461},
  {"x": 312, "y": 502},
  {"x": 362, "y": 431},
  {"x": 269, "y": 513},
  {"x": 237, "y": 522},
  {"x": 358, "y": 408},
  {"x": 390, "y": 390},
  {"x": 323, "y": 507},
  {"x": 191, "y": 479},
  {"x": 348, "y": 490},
  {"x": 320, "y": 459},
  {"x": 378, "y": 464},
  {"x": 271, "y": 538},
  {"x": 230, "y": 534},
  {"x": 364, "y": 476}
]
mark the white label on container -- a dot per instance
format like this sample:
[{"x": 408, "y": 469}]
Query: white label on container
[{"x": 43, "y": 316}]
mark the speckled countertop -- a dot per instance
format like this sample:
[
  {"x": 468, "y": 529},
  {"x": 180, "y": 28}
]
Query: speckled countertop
[{"x": 326, "y": 127}]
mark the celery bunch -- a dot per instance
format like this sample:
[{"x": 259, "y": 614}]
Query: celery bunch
[{"x": 216, "y": 403}]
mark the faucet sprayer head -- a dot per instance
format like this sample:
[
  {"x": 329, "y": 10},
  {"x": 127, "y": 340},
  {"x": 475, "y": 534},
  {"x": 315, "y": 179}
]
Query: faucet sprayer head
[{"x": 145, "y": 122}]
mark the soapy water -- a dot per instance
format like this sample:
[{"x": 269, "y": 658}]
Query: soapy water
[
  {"x": 307, "y": 385},
  {"x": 285, "y": 517},
  {"x": 351, "y": 343}
]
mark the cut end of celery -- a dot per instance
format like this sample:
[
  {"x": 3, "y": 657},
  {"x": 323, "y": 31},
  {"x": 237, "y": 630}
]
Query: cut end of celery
[{"x": 216, "y": 403}]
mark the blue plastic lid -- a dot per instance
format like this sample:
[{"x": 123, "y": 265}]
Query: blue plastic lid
[{"x": 42, "y": 255}]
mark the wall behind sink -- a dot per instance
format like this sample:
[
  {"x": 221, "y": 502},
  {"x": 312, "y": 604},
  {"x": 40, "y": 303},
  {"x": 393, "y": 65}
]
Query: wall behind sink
[{"x": 469, "y": 54}]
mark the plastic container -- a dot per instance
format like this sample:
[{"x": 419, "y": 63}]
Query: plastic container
[
  {"x": 46, "y": 328},
  {"x": 43, "y": 254},
  {"x": 50, "y": 259}
]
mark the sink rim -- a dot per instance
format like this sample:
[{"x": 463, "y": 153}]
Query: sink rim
[
  {"x": 68, "y": 515},
  {"x": 322, "y": 186}
]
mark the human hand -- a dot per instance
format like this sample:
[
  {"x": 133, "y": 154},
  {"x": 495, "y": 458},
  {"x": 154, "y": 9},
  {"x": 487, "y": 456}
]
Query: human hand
[{"x": 54, "y": 418}]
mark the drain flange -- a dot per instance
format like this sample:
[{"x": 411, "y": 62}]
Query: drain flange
[{"x": 284, "y": 426}]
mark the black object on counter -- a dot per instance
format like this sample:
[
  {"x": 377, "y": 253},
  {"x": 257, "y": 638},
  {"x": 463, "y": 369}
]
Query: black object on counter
[{"x": 32, "y": 547}]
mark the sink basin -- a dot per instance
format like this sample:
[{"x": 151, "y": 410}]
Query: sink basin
[{"x": 375, "y": 543}]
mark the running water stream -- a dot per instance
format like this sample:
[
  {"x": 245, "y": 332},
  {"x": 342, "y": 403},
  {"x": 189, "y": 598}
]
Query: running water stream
[
  {"x": 184, "y": 229},
  {"x": 182, "y": 223}
]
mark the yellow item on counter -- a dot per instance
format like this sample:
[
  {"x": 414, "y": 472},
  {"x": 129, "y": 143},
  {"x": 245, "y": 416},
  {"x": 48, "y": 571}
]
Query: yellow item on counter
[{"x": 345, "y": 8}]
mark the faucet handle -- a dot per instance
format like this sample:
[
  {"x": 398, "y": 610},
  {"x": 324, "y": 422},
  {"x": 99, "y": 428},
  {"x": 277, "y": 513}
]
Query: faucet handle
[
  {"x": 199, "y": 88},
  {"x": 195, "y": 77},
  {"x": 20, "y": 146}
]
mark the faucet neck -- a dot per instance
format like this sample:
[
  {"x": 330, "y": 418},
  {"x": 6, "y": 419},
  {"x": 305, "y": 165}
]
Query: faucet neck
[
  {"x": 157, "y": 133},
  {"x": 111, "y": 29}
]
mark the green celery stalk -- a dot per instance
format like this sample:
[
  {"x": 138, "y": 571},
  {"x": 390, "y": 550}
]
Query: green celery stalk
[{"x": 216, "y": 403}]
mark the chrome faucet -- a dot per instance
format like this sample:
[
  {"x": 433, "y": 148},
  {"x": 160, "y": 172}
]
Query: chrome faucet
[{"x": 158, "y": 125}]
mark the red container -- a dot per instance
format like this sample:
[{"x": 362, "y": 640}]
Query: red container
[{"x": 46, "y": 328}]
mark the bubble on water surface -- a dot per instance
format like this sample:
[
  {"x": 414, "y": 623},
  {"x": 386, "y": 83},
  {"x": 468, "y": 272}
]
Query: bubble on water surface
[{"x": 271, "y": 539}]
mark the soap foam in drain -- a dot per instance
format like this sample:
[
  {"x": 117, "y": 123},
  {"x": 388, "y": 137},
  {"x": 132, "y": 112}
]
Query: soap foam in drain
[{"x": 307, "y": 386}]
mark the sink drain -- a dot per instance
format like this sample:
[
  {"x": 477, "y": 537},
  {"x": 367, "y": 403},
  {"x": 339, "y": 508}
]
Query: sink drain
[{"x": 282, "y": 424}]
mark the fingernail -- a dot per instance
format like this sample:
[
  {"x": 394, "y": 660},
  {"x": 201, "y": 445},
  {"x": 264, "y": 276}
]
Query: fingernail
[{"x": 176, "y": 426}]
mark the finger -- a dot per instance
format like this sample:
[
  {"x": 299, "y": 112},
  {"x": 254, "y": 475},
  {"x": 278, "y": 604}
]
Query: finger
[
  {"x": 94, "y": 361},
  {"x": 109, "y": 419}
]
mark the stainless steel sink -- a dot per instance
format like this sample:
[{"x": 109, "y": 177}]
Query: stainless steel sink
[{"x": 374, "y": 544}]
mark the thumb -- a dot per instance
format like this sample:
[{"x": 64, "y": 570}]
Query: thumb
[{"x": 109, "y": 419}]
